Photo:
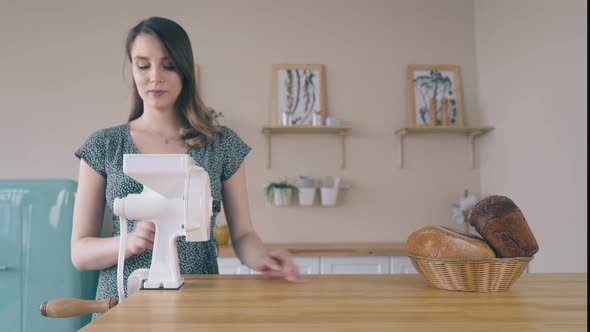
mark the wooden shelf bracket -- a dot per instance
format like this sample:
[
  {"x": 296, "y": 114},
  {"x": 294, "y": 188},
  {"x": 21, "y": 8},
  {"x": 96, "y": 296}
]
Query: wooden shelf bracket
[
  {"x": 472, "y": 133},
  {"x": 270, "y": 130}
]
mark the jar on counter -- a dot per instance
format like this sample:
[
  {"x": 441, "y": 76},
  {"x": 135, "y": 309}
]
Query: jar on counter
[{"x": 221, "y": 233}]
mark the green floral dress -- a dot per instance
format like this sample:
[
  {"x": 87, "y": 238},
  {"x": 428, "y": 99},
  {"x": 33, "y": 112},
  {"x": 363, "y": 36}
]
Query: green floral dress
[{"x": 104, "y": 151}]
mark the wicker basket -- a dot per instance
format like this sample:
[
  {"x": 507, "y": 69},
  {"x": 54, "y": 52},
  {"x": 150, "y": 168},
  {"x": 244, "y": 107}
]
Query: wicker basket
[{"x": 470, "y": 275}]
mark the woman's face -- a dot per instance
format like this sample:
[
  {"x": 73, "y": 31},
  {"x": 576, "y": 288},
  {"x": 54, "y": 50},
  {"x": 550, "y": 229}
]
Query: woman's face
[{"x": 158, "y": 83}]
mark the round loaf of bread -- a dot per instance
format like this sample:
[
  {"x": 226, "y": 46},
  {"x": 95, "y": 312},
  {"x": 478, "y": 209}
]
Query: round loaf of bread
[
  {"x": 445, "y": 242},
  {"x": 501, "y": 223}
]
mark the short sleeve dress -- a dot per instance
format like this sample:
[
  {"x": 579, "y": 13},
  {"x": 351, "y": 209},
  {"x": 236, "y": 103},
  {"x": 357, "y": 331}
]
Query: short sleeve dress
[{"x": 104, "y": 151}]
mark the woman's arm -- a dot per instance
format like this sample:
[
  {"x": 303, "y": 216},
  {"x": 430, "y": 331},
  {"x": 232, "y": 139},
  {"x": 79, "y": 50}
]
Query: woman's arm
[
  {"x": 246, "y": 243},
  {"x": 89, "y": 251}
]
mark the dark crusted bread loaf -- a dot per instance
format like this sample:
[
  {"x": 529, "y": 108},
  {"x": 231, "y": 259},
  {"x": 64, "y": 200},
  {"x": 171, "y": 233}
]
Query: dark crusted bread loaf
[
  {"x": 444, "y": 242},
  {"x": 498, "y": 220}
]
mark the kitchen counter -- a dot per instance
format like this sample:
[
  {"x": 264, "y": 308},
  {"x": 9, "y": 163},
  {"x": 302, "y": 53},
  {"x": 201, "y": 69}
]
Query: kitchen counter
[
  {"x": 331, "y": 249},
  {"x": 536, "y": 302}
]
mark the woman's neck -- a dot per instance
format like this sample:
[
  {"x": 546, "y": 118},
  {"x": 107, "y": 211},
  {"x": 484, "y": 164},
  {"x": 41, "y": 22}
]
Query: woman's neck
[{"x": 162, "y": 122}]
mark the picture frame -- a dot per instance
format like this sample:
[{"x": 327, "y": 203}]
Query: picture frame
[
  {"x": 434, "y": 96},
  {"x": 298, "y": 94}
]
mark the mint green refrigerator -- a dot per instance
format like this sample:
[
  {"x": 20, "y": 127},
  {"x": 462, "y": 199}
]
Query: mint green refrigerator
[{"x": 35, "y": 265}]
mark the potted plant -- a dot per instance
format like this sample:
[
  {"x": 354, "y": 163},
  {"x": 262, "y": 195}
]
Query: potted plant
[{"x": 279, "y": 192}]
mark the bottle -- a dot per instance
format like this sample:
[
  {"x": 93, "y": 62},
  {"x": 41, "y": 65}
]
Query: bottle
[{"x": 316, "y": 119}]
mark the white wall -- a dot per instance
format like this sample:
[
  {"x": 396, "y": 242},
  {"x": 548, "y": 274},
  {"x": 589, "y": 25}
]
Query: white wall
[{"x": 532, "y": 83}]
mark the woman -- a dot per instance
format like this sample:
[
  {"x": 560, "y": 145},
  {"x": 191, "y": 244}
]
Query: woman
[{"x": 167, "y": 116}]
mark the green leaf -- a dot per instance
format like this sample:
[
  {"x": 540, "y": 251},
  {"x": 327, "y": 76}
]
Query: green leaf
[{"x": 283, "y": 184}]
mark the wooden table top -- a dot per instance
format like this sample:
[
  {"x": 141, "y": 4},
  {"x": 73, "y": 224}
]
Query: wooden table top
[
  {"x": 535, "y": 302},
  {"x": 332, "y": 249}
]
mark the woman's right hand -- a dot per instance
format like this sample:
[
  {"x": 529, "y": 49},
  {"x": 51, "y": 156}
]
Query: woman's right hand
[{"x": 141, "y": 238}]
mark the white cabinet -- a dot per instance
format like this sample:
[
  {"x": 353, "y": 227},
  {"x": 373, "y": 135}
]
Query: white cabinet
[
  {"x": 402, "y": 265},
  {"x": 332, "y": 265},
  {"x": 308, "y": 265},
  {"x": 231, "y": 265},
  {"x": 355, "y": 265}
]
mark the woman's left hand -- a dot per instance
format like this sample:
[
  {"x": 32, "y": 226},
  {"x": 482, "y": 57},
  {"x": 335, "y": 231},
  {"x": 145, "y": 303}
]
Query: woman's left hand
[{"x": 280, "y": 264}]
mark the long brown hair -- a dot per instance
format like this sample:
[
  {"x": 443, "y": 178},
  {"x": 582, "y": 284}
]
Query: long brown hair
[{"x": 199, "y": 125}]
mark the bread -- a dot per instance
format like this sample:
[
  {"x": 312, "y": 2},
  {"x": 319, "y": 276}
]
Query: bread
[
  {"x": 500, "y": 222},
  {"x": 444, "y": 242}
]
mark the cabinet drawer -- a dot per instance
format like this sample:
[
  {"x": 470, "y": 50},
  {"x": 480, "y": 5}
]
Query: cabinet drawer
[
  {"x": 308, "y": 265},
  {"x": 231, "y": 265},
  {"x": 402, "y": 265},
  {"x": 355, "y": 265}
]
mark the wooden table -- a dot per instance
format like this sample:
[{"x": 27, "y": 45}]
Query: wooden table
[{"x": 536, "y": 302}]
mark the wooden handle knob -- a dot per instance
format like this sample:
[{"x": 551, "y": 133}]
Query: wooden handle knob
[{"x": 61, "y": 308}]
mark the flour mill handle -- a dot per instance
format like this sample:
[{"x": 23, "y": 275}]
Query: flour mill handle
[{"x": 60, "y": 308}]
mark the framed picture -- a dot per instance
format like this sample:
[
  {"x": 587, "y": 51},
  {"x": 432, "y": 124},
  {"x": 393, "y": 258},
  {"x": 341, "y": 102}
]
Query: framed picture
[
  {"x": 298, "y": 94},
  {"x": 434, "y": 95}
]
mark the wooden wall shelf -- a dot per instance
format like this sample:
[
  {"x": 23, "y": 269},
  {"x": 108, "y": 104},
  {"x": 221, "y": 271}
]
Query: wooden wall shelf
[
  {"x": 268, "y": 131},
  {"x": 471, "y": 132}
]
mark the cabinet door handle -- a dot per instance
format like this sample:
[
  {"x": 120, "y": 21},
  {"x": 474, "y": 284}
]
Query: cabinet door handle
[{"x": 2, "y": 268}]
